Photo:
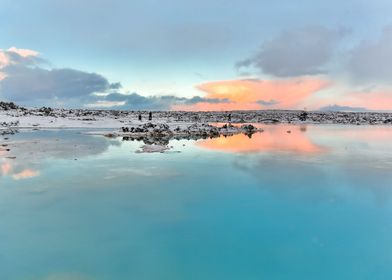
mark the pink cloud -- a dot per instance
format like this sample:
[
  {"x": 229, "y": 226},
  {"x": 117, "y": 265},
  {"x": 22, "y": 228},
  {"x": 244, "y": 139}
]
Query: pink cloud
[
  {"x": 23, "y": 52},
  {"x": 5, "y": 58},
  {"x": 372, "y": 101},
  {"x": 247, "y": 94},
  {"x": 376, "y": 100},
  {"x": 226, "y": 106},
  {"x": 6, "y": 61},
  {"x": 2, "y": 76}
]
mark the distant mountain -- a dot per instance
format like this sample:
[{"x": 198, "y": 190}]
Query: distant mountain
[{"x": 338, "y": 108}]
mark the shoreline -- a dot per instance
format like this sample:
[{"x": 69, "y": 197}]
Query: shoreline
[
  {"x": 174, "y": 124},
  {"x": 167, "y": 126},
  {"x": 48, "y": 117}
]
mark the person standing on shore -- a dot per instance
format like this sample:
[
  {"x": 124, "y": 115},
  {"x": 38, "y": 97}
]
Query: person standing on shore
[
  {"x": 150, "y": 116},
  {"x": 140, "y": 117}
]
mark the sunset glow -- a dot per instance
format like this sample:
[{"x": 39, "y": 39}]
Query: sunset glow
[
  {"x": 256, "y": 94},
  {"x": 372, "y": 101},
  {"x": 201, "y": 140},
  {"x": 273, "y": 139}
]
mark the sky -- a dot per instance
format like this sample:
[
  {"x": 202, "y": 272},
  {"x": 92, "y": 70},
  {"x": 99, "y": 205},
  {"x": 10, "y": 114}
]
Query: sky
[{"x": 197, "y": 55}]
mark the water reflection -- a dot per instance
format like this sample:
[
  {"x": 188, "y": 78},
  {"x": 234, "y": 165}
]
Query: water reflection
[
  {"x": 23, "y": 154},
  {"x": 308, "y": 140},
  {"x": 241, "y": 214},
  {"x": 369, "y": 134},
  {"x": 16, "y": 171},
  {"x": 278, "y": 138}
]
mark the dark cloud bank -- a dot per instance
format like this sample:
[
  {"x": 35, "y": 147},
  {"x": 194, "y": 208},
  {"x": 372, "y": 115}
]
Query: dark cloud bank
[
  {"x": 296, "y": 52},
  {"x": 29, "y": 82},
  {"x": 310, "y": 50},
  {"x": 28, "y": 79},
  {"x": 371, "y": 61}
]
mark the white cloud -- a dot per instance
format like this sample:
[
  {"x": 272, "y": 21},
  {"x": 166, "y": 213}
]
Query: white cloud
[
  {"x": 23, "y": 52},
  {"x": 105, "y": 104}
]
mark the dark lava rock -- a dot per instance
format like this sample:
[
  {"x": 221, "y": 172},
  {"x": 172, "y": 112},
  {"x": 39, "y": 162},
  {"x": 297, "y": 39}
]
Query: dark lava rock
[
  {"x": 303, "y": 116},
  {"x": 248, "y": 127},
  {"x": 8, "y": 106},
  {"x": 388, "y": 121}
]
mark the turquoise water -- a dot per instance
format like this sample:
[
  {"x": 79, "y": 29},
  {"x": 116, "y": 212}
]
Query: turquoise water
[{"x": 315, "y": 203}]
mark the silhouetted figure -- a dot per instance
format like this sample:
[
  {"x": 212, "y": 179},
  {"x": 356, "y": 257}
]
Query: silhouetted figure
[
  {"x": 140, "y": 117},
  {"x": 229, "y": 117},
  {"x": 150, "y": 116}
]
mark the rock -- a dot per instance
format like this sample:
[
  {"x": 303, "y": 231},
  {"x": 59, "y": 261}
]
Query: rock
[
  {"x": 303, "y": 116},
  {"x": 153, "y": 149},
  {"x": 9, "y": 106},
  {"x": 248, "y": 128},
  {"x": 110, "y": 135},
  {"x": 45, "y": 110}
]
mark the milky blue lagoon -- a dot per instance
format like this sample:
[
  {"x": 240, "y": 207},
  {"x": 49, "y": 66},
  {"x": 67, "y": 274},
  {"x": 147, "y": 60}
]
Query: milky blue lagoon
[{"x": 315, "y": 203}]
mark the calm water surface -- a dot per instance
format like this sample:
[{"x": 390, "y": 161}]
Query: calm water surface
[{"x": 315, "y": 203}]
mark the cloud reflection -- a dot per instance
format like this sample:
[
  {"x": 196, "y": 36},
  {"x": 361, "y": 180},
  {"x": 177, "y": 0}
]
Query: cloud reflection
[
  {"x": 7, "y": 168},
  {"x": 25, "y": 174},
  {"x": 281, "y": 138},
  {"x": 25, "y": 157},
  {"x": 318, "y": 161}
]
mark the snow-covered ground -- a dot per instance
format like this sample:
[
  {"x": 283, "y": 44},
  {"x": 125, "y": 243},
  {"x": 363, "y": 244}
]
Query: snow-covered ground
[
  {"x": 82, "y": 118},
  {"x": 164, "y": 126}
]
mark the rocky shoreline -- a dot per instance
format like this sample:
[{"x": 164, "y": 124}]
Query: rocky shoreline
[
  {"x": 52, "y": 117},
  {"x": 178, "y": 123},
  {"x": 156, "y": 129},
  {"x": 161, "y": 134}
]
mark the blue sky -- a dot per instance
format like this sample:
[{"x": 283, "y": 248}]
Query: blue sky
[{"x": 175, "y": 48}]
